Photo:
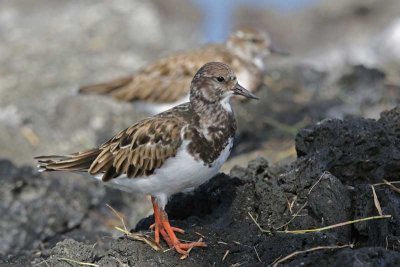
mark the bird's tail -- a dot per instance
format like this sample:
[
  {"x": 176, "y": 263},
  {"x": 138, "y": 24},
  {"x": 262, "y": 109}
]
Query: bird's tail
[
  {"x": 80, "y": 161},
  {"x": 107, "y": 87}
]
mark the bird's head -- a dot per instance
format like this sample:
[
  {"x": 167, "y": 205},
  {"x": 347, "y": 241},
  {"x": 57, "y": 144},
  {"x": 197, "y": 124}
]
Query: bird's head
[
  {"x": 216, "y": 82},
  {"x": 252, "y": 44}
]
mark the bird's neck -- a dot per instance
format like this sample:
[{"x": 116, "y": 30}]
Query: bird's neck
[
  {"x": 213, "y": 127},
  {"x": 213, "y": 114},
  {"x": 246, "y": 56},
  {"x": 237, "y": 50}
]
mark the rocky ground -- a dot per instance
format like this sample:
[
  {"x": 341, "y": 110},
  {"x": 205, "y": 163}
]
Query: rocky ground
[{"x": 246, "y": 217}]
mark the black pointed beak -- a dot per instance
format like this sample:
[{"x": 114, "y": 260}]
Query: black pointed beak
[
  {"x": 240, "y": 90},
  {"x": 277, "y": 51}
]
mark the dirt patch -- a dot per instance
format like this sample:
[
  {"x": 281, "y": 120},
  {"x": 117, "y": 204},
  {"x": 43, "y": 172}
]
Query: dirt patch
[{"x": 329, "y": 183}]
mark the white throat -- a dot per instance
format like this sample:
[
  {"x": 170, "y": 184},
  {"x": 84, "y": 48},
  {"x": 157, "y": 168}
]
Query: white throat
[
  {"x": 259, "y": 62},
  {"x": 226, "y": 103}
]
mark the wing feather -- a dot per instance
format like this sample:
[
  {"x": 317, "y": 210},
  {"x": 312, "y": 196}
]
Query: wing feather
[
  {"x": 148, "y": 148},
  {"x": 137, "y": 151}
]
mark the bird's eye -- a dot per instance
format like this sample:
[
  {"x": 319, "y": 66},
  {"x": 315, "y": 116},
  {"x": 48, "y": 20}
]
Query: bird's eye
[
  {"x": 254, "y": 40},
  {"x": 220, "y": 79}
]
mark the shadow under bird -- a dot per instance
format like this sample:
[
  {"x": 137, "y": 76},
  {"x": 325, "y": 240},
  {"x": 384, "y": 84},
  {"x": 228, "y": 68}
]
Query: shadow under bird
[
  {"x": 165, "y": 83},
  {"x": 174, "y": 151}
]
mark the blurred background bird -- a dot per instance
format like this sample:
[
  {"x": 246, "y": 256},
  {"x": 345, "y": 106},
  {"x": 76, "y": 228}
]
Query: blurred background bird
[{"x": 166, "y": 82}]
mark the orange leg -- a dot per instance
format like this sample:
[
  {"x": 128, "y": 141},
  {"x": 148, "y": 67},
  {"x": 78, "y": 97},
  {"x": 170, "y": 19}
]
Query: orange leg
[
  {"x": 175, "y": 229},
  {"x": 162, "y": 226},
  {"x": 157, "y": 226},
  {"x": 157, "y": 222}
]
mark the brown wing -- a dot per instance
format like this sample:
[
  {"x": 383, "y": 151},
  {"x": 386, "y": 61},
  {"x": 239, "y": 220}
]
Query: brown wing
[
  {"x": 168, "y": 80},
  {"x": 137, "y": 151},
  {"x": 79, "y": 161}
]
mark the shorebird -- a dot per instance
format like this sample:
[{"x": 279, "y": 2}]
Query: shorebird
[
  {"x": 165, "y": 83},
  {"x": 171, "y": 152}
]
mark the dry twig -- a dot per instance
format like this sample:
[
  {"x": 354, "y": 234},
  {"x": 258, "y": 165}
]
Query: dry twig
[
  {"x": 225, "y": 255},
  {"x": 139, "y": 237},
  {"x": 392, "y": 182},
  {"x": 319, "y": 179},
  {"x": 40, "y": 263},
  {"x": 338, "y": 224},
  {"x": 293, "y": 216},
  {"x": 118, "y": 214},
  {"x": 376, "y": 201},
  {"x": 291, "y": 204},
  {"x": 78, "y": 262},
  {"x": 258, "y": 256},
  {"x": 278, "y": 261},
  {"x": 134, "y": 236},
  {"x": 197, "y": 233},
  {"x": 394, "y": 188},
  {"x": 322, "y": 228}
]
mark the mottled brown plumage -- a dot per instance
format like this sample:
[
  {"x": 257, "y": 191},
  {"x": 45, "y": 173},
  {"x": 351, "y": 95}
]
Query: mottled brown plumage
[
  {"x": 142, "y": 148},
  {"x": 168, "y": 80},
  {"x": 135, "y": 151}
]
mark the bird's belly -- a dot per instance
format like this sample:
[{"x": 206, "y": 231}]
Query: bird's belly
[{"x": 177, "y": 174}]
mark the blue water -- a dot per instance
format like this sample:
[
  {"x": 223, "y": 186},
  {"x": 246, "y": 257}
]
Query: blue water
[{"x": 217, "y": 14}]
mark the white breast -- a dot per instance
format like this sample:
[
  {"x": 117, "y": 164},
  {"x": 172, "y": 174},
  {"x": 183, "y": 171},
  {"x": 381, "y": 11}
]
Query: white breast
[
  {"x": 259, "y": 62},
  {"x": 177, "y": 174},
  {"x": 245, "y": 79}
]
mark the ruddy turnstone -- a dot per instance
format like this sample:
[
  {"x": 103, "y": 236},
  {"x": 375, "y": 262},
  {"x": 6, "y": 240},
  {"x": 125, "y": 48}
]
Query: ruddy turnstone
[
  {"x": 178, "y": 149},
  {"x": 166, "y": 83}
]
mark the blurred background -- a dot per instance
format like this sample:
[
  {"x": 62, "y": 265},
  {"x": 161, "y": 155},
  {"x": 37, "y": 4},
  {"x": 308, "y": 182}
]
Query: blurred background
[
  {"x": 344, "y": 61},
  {"x": 50, "y": 48}
]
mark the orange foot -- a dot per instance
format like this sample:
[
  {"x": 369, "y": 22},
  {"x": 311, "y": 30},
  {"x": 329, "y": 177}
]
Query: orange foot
[{"x": 162, "y": 226}]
